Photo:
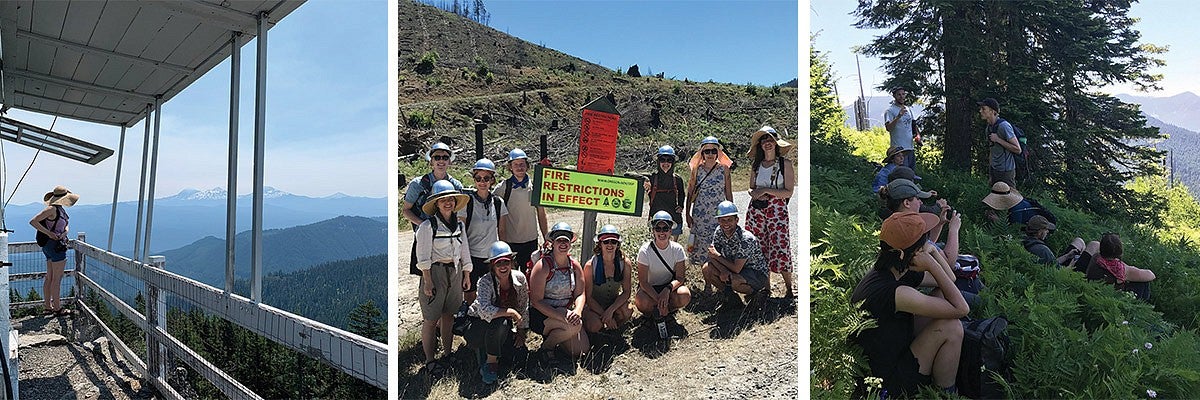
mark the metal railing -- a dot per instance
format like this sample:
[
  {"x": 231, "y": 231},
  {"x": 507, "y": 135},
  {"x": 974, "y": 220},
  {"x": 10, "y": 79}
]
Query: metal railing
[{"x": 354, "y": 355}]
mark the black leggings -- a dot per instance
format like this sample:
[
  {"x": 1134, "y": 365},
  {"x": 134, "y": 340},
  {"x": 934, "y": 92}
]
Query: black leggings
[{"x": 494, "y": 337}]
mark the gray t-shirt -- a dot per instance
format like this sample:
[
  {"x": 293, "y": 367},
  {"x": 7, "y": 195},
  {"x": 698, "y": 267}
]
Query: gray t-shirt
[
  {"x": 901, "y": 133},
  {"x": 1001, "y": 158},
  {"x": 413, "y": 194},
  {"x": 483, "y": 230}
]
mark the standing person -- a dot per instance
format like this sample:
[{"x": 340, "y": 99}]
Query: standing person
[
  {"x": 502, "y": 309},
  {"x": 1002, "y": 167},
  {"x": 771, "y": 181},
  {"x": 662, "y": 274},
  {"x": 51, "y": 226},
  {"x": 735, "y": 260},
  {"x": 665, "y": 189},
  {"x": 608, "y": 283},
  {"x": 708, "y": 186},
  {"x": 524, "y": 221},
  {"x": 445, "y": 265},
  {"x": 899, "y": 123},
  {"x": 917, "y": 338},
  {"x": 557, "y": 296},
  {"x": 484, "y": 220},
  {"x": 417, "y": 194}
]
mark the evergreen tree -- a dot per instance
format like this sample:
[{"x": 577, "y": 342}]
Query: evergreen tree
[
  {"x": 825, "y": 115},
  {"x": 1044, "y": 61},
  {"x": 365, "y": 321}
]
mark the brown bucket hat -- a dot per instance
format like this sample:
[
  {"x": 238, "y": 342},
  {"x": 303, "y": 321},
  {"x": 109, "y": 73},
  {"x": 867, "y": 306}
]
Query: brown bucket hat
[{"x": 60, "y": 196}]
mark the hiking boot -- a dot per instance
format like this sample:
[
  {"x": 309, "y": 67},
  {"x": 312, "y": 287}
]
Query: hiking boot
[{"x": 729, "y": 300}]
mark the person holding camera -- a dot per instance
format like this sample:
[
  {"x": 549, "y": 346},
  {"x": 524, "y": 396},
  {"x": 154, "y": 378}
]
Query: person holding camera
[
  {"x": 771, "y": 180},
  {"x": 51, "y": 226}
]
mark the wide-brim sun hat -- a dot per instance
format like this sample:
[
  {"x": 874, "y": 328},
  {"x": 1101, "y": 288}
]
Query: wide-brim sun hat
[
  {"x": 783, "y": 147},
  {"x": 441, "y": 189},
  {"x": 60, "y": 196},
  {"x": 1002, "y": 197}
]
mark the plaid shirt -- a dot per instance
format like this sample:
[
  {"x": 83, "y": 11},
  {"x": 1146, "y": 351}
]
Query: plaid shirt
[{"x": 742, "y": 244}]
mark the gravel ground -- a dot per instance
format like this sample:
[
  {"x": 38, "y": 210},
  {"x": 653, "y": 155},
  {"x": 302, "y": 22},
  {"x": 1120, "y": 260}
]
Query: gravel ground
[{"x": 72, "y": 370}]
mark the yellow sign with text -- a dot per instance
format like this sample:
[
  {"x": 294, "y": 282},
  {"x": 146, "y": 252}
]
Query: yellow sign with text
[{"x": 564, "y": 188}]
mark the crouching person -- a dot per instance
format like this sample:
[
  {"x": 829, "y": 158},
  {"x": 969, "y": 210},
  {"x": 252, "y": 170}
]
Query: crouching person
[
  {"x": 502, "y": 309},
  {"x": 662, "y": 275},
  {"x": 609, "y": 284},
  {"x": 917, "y": 338},
  {"x": 735, "y": 260}
]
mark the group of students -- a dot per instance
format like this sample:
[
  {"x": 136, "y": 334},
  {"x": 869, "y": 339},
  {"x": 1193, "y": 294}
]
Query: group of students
[
  {"x": 488, "y": 257},
  {"x": 917, "y": 338}
]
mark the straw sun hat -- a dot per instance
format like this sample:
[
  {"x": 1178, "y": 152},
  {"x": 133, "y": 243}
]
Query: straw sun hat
[
  {"x": 60, "y": 196},
  {"x": 782, "y": 146},
  {"x": 1002, "y": 197}
]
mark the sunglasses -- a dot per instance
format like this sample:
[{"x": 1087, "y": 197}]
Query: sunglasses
[
  {"x": 479, "y": 178},
  {"x": 662, "y": 228},
  {"x": 441, "y": 158},
  {"x": 709, "y": 151},
  {"x": 501, "y": 263},
  {"x": 562, "y": 239},
  {"x": 613, "y": 242},
  {"x": 666, "y": 159}
]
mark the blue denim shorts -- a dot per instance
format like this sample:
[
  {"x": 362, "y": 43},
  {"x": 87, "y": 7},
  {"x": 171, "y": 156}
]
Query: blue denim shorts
[{"x": 51, "y": 254}]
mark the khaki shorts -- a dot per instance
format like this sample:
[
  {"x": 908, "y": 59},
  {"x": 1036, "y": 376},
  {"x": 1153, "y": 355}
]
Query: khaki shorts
[{"x": 447, "y": 292}]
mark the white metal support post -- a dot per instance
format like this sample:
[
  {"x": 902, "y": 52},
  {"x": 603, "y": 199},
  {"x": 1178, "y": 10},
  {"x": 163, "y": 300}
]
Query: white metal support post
[
  {"x": 153, "y": 176},
  {"x": 80, "y": 260},
  {"x": 8, "y": 336},
  {"x": 260, "y": 125},
  {"x": 137, "y": 230},
  {"x": 235, "y": 68},
  {"x": 112, "y": 219}
]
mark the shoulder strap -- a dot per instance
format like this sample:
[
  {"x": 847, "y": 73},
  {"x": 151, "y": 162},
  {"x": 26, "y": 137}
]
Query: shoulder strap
[
  {"x": 507, "y": 190},
  {"x": 660, "y": 258},
  {"x": 496, "y": 205},
  {"x": 470, "y": 212}
]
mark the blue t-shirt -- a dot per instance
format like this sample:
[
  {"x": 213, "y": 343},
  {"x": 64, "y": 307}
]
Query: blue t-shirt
[{"x": 881, "y": 177}]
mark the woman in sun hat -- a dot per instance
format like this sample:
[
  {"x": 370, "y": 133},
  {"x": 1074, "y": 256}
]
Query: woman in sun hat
[
  {"x": 445, "y": 265},
  {"x": 502, "y": 309},
  {"x": 51, "y": 226},
  {"x": 772, "y": 178},
  {"x": 608, "y": 283},
  {"x": 917, "y": 338},
  {"x": 1020, "y": 209},
  {"x": 708, "y": 186}
]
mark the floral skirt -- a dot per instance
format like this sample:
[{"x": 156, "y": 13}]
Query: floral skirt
[{"x": 772, "y": 228}]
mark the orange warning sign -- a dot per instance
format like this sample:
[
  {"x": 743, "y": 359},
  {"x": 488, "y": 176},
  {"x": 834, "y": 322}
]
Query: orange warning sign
[{"x": 598, "y": 141}]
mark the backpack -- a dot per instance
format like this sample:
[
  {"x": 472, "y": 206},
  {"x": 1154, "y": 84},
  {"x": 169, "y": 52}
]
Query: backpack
[
  {"x": 985, "y": 351},
  {"x": 1041, "y": 210},
  {"x": 471, "y": 210},
  {"x": 1022, "y": 160},
  {"x": 43, "y": 238}
]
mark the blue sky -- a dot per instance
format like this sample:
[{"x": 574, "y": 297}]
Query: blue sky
[
  {"x": 327, "y": 104},
  {"x": 725, "y": 41},
  {"x": 1163, "y": 23}
]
